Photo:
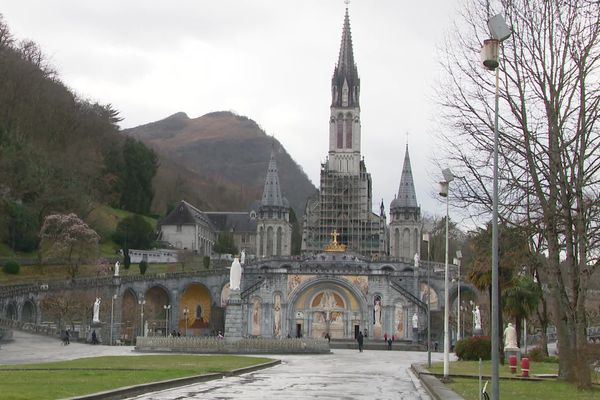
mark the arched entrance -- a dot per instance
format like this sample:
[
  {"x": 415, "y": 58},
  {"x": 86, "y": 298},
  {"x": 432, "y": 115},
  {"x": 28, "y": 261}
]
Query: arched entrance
[
  {"x": 28, "y": 312},
  {"x": 11, "y": 311},
  {"x": 130, "y": 317},
  {"x": 155, "y": 314},
  {"x": 195, "y": 310},
  {"x": 327, "y": 307}
]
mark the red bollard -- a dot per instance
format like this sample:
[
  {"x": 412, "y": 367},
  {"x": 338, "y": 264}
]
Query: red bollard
[
  {"x": 512, "y": 362},
  {"x": 525, "y": 367}
]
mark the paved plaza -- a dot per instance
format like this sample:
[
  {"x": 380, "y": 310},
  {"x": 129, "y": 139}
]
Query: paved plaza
[{"x": 344, "y": 374}]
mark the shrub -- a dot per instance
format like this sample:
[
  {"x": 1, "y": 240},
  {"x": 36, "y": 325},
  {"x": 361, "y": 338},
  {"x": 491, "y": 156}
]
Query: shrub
[
  {"x": 474, "y": 348},
  {"x": 536, "y": 354},
  {"x": 206, "y": 262},
  {"x": 143, "y": 266},
  {"x": 11, "y": 267}
]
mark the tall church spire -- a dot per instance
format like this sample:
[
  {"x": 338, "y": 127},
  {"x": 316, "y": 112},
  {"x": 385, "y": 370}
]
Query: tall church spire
[
  {"x": 272, "y": 191},
  {"x": 406, "y": 192},
  {"x": 345, "y": 83}
]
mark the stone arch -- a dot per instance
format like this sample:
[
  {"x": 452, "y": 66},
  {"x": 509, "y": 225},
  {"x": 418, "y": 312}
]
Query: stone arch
[
  {"x": 130, "y": 315},
  {"x": 29, "y": 312},
  {"x": 155, "y": 315},
  {"x": 12, "y": 311},
  {"x": 299, "y": 305},
  {"x": 193, "y": 296},
  {"x": 388, "y": 268}
]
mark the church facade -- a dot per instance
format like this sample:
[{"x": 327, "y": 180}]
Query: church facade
[{"x": 356, "y": 273}]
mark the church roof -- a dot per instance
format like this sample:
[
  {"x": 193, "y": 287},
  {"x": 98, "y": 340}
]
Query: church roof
[
  {"x": 272, "y": 191},
  {"x": 186, "y": 214},
  {"x": 406, "y": 192},
  {"x": 232, "y": 221},
  {"x": 345, "y": 71}
]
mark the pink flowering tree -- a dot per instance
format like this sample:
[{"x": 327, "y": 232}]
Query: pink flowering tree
[{"x": 67, "y": 239}]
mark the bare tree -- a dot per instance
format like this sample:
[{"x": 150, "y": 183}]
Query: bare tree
[
  {"x": 549, "y": 143},
  {"x": 68, "y": 239}
]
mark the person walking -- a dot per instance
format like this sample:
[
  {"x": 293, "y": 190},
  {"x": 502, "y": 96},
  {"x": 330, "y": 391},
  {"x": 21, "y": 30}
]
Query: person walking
[
  {"x": 67, "y": 337},
  {"x": 360, "y": 340},
  {"x": 389, "y": 343}
]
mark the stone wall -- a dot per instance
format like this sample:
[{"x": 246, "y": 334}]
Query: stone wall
[{"x": 242, "y": 346}]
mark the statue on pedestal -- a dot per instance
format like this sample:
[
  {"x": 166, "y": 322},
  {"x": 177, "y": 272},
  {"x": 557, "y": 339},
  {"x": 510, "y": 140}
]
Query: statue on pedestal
[
  {"x": 415, "y": 321},
  {"x": 510, "y": 337},
  {"x": 235, "y": 274},
  {"x": 96, "y": 316},
  {"x": 117, "y": 265},
  {"x": 476, "y": 320}
]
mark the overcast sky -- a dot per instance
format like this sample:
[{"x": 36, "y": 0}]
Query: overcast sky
[{"x": 271, "y": 60}]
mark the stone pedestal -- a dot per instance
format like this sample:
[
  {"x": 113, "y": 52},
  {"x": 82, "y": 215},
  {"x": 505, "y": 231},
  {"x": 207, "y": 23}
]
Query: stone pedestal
[
  {"x": 415, "y": 335},
  {"x": 512, "y": 351},
  {"x": 233, "y": 317},
  {"x": 377, "y": 334},
  {"x": 478, "y": 332},
  {"x": 97, "y": 327}
]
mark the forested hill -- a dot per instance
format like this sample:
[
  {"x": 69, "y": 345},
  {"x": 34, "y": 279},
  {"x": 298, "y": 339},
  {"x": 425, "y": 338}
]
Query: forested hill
[
  {"x": 59, "y": 153},
  {"x": 228, "y": 150}
]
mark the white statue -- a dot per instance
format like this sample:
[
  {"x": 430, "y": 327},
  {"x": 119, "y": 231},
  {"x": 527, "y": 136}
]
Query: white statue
[
  {"x": 417, "y": 259},
  {"x": 377, "y": 312},
  {"x": 243, "y": 257},
  {"x": 510, "y": 337},
  {"x": 117, "y": 265},
  {"x": 476, "y": 319},
  {"x": 277, "y": 316},
  {"x": 415, "y": 321},
  {"x": 96, "y": 317},
  {"x": 235, "y": 275}
]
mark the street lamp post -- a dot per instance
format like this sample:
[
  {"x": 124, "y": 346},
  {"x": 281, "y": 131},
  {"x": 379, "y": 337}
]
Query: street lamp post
[
  {"x": 457, "y": 262},
  {"x": 500, "y": 31},
  {"x": 186, "y": 311},
  {"x": 141, "y": 302},
  {"x": 427, "y": 239},
  {"x": 167, "y": 307},
  {"x": 112, "y": 312},
  {"x": 444, "y": 186}
]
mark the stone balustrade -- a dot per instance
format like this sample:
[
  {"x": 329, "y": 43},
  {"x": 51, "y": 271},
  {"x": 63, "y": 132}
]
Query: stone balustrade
[{"x": 241, "y": 346}]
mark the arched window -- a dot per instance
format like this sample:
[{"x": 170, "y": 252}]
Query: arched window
[
  {"x": 349, "y": 131},
  {"x": 340, "y": 132},
  {"x": 279, "y": 240},
  {"x": 269, "y": 241}
]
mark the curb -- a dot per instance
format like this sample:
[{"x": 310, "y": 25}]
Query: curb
[
  {"x": 136, "y": 390},
  {"x": 436, "y": 389}
]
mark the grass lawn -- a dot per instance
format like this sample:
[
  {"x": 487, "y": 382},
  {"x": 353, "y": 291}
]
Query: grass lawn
[
  {"x": 515, "y": 389},
  {"x": 546, "y": 390},
  {"x": 88, "y": 375}
]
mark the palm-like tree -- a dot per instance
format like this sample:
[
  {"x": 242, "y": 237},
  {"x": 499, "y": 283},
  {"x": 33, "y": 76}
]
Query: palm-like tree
[{"x": 520, "y": 300}]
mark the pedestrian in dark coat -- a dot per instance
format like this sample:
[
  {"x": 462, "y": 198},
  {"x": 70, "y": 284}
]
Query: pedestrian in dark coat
[{"x": 360, "y": 340}]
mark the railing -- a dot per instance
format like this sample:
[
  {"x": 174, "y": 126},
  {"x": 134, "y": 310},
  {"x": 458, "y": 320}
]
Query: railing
[
  {"x": 221, "y": 345},
  {"x": 411, "y": 297}
]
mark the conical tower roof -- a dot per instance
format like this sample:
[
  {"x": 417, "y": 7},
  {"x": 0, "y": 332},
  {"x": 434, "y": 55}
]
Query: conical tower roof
[
  {"x": 272, "y": 191},
  {"x": 345, "y": 72},
  {"x": 406, "y": 192}
]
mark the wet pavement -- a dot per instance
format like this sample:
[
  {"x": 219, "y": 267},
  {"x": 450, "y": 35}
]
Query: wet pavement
[{"x": 344, "y": 374}]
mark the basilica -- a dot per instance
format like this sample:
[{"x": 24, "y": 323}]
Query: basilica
[{"x": 356, "y": 273}]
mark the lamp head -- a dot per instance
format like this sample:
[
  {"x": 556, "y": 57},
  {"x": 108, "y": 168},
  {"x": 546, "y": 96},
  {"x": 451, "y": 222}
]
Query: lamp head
[
  {"x": 498, "y": 27},
  {"x": 444, "y": 189},
  {"x": 448, "y": 175}
]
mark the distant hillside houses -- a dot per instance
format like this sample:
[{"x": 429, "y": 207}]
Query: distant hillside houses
[{"x": 263, "y": 231}]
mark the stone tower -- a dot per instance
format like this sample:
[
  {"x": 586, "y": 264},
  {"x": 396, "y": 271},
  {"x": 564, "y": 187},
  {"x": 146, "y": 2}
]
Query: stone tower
[
  {"x": 345, "y": 197},
  {"x": 273, "y": 226},
  {"x": 405, "y": 216}
]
